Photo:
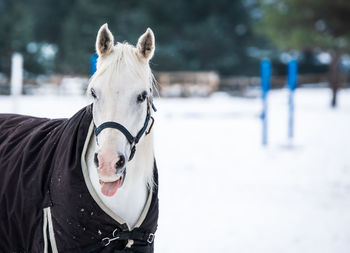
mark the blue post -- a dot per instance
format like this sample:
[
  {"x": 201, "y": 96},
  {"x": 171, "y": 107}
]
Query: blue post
[
  {"x": 292, "y": 84},
  {"x": 265, "y": 72},
  {"x": 93, "y": 62}
]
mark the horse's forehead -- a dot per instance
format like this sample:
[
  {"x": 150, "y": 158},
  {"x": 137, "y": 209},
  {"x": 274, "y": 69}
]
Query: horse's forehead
[{"x": 127, "y": 79}]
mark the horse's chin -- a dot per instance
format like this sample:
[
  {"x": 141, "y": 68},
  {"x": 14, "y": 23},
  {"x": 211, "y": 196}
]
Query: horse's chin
[{"x": 108, "y": 189}]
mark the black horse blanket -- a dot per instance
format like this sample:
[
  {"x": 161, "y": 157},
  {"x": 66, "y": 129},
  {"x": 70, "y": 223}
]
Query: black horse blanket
[{"x": 45, "y": 202}]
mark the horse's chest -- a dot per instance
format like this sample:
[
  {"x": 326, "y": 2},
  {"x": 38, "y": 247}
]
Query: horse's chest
[{"x": 127, "y": 203}]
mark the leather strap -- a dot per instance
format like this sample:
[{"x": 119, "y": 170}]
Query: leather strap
[{"x": 131, "y": 139}]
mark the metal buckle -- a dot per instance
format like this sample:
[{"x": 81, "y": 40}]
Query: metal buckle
[
  {"x": 150, "y": 127},
  {"x": 114, "y": 231},
  {"x": 106, "y": 241},
  {"x": 150, "y": 238}
]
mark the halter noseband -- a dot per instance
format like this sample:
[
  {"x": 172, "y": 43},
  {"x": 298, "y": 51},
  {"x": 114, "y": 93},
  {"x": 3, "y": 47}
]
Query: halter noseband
[{"x": 131, "y": 139}]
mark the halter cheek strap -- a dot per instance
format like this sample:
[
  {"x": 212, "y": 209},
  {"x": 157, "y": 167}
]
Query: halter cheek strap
[{"x": 131, "y": 139}]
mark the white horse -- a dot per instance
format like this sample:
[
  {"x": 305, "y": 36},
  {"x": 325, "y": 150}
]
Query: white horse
[
  {"x": 87, "y": 183},
  {"x": 121, "y": 90}
]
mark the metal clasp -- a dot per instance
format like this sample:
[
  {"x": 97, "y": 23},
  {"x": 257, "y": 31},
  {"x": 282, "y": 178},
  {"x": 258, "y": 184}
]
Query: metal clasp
[
  {"x": 150, "y": 238},
  {"x": 106, "y": 241},
  {"x": 150, "y": 127}
]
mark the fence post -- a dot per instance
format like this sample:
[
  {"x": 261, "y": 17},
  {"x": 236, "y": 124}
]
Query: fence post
[
  {"x": 93, "y": 62},
  {"x": 16, "y": 74},
  {"x": 265, "y": 72},
  {"x": 292, "y": 84},
  {"x": 16, "y": 79}
]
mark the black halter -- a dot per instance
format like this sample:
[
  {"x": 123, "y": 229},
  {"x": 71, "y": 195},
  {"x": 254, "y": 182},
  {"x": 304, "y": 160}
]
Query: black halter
[{"x": 131, "y": 139}]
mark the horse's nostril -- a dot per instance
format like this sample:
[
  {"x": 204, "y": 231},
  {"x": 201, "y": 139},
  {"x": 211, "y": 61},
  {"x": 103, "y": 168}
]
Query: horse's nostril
[
  {"x": 120, "y": 163},
  {"x": 96, "y": 160}
]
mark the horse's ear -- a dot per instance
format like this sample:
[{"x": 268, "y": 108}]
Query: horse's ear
[
  {"x": 146, "y": 45},
  {"x": 104, "y": 41}
]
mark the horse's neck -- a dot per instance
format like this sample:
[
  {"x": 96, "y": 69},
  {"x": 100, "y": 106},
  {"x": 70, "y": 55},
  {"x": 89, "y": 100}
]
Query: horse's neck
[{"x": 129, "y": 201}]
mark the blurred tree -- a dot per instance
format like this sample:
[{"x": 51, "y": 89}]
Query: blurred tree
[
  {"x": 190, "y": 35},
  {"x": 308, "y": 25},
  {"x": 20, "y": 27},
  {"x": 15, "y": 31},
  {"x": 203, "y": 35}
]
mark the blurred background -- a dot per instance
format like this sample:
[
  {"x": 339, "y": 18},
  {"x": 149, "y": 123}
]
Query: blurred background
[{"x": 252, "y": 131}]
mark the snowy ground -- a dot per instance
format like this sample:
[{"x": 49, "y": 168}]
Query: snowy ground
[{"x": 221, "y": 191}]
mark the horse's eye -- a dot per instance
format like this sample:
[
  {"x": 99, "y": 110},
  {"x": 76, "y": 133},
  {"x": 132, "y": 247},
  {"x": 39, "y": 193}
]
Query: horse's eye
[
  {"x": 93, "y": 93},
  {"x": 141, "y": 97}
]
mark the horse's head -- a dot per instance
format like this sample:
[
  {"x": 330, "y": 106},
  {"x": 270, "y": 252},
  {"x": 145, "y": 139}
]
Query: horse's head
[{"x": 122, "y": 92}]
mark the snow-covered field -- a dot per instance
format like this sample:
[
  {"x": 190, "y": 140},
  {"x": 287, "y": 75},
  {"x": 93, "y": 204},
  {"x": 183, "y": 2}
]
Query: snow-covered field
[{"x": 221, "y": 191}]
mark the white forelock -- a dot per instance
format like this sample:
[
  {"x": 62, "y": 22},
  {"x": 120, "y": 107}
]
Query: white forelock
[{"x": 123, "y": 55}]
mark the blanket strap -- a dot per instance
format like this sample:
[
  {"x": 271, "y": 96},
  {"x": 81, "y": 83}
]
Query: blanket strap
[{"x": 136, "y": 235}]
